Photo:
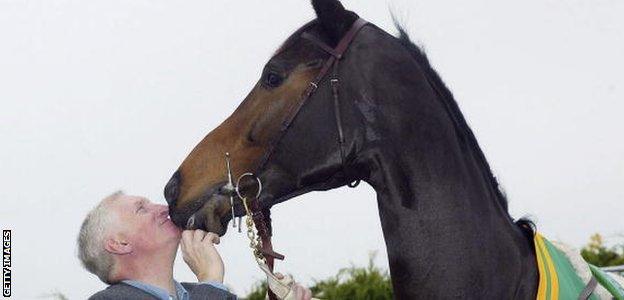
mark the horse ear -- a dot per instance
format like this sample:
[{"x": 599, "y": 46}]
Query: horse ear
[{"x": 333, "y": 18}]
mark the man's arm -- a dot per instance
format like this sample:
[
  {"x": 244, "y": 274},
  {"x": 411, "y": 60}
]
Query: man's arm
[
  {"x": 203, "y": 259},
  {"x": 201, "y": 256}
]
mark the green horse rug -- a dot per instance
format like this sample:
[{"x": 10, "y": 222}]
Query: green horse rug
[{"x": 565, "y": 275}]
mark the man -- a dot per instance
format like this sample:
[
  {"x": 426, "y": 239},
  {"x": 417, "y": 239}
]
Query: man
[{"x": 131, "y": 244}]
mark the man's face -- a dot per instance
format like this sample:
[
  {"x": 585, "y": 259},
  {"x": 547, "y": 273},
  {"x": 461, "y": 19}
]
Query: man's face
[{"x": 145, "y": 225}]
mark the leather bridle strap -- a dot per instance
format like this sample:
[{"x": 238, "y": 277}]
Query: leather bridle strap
[
  {"x": 336, "y": 55},
  {"x": 261, "y": 216}
]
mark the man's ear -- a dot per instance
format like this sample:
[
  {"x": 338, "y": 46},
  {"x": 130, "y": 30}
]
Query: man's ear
[
  {"x": 117, "y": 246},
  {"x": 334, "y": 19}
]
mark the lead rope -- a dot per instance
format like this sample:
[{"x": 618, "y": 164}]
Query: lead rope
[
  {"x": 282, "y": 288},
  {"x": 255, "y": 243}
]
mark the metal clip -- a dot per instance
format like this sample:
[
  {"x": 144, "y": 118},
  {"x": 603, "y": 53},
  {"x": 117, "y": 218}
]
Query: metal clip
[
  {"x": 233, "y": 189},
  {"x": 238, "y": 186},
  {"x": 230, "y": 188}
]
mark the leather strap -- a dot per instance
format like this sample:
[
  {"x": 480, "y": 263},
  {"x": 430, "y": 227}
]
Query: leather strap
[
  {"x": 589, "y": 289},
  {"x": 319, "y": 43},
  {"x": 343, "y": 45},
  {"x": 262, "y": 216},
  {"x": 262, "y": 220},
  {"x": 336, "y": 54},
  {"x": 335, "y": 84}
]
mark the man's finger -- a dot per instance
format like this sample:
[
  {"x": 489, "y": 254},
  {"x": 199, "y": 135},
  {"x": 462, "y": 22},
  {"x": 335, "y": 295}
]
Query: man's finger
[
  {"x": 187, "y": 236},
  {"x": 279, "y": 276},
  {"x": 199, "y": 235},
  {"x": 182, "y": 246},
  {"x": 185, "y": 244},
  {"x": 212, "y": 238}
]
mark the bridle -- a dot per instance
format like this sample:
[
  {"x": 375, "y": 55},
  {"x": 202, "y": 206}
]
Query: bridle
[
  {"x": 336, "y": 54},
  {"x": 261, "y": 216}
]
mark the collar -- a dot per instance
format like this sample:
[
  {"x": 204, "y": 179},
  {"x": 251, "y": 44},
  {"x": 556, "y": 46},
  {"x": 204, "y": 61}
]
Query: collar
[{"x": 181, "y": 292}]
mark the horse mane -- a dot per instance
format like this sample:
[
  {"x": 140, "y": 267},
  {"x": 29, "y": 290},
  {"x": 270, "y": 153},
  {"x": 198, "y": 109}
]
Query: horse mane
[{"x": 465, "y": 133}]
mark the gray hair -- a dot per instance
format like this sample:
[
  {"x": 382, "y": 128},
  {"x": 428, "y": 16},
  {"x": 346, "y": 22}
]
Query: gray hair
[{"x": 91, "y": 237}]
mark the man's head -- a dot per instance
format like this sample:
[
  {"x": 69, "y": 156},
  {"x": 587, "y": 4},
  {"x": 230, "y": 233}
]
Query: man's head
[{"x": 123, "y": 227}]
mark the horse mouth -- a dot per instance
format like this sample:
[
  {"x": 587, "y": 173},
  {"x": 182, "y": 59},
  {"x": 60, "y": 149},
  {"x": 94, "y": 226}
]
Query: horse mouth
[{"x": 211, "y": 212}]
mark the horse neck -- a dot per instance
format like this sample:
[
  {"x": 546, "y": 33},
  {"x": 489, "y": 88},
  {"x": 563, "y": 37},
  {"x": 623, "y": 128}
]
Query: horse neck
[
  {"x": 447, "y": 233},
  {"x": 448, "y": 239}
]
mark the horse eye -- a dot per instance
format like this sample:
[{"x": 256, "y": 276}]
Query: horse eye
[{"x": 273, "y": 80}]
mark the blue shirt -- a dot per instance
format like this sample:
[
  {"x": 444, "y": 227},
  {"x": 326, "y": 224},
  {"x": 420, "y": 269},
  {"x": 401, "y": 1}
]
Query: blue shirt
[{"x": 181, "y": 292}]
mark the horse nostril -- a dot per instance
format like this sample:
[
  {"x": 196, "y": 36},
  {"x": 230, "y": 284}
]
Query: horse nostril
[{"x": 172, "y": 189}]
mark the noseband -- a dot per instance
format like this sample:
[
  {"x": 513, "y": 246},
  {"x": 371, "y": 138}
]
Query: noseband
[{"x": 261, "y": 217}]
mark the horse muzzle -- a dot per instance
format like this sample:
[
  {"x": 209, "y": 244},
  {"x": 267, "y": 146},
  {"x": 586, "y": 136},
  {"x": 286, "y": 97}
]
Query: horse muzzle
[{"x": 210, "y": 212}]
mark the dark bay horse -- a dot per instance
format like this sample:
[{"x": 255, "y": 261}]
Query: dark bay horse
[{"x": 445, "y": 222}]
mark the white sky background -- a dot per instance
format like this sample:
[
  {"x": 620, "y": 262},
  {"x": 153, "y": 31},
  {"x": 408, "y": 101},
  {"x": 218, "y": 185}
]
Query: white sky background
[{"x": 101, "y": 95}]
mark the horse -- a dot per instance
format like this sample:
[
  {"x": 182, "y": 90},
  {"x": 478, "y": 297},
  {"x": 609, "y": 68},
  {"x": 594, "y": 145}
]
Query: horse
[{"x": 388, "y": 120}]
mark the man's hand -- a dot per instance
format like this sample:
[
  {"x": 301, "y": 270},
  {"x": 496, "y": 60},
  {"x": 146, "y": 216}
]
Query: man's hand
[
  {"x": 201, "y": 256},
  {"x": 301, "y": 292}
]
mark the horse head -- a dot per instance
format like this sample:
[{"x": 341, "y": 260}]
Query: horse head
[{"x": 290, "y": 145}]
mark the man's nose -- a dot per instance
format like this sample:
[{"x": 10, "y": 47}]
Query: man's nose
[{"x": 172, "y": 189}]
